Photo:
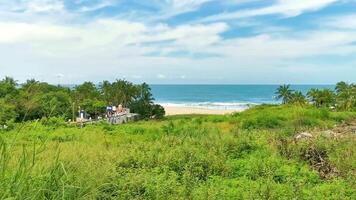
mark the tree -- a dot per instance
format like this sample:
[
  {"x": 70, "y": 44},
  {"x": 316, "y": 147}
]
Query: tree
[
  {"x": 106, "y": 91},
  {"x": 56, "y": 103},
  {"x": 87, "y": 90},
  {"x": 143, "y": 103},
  {"x": 28, "y": 103},
  {"x": 345, "y": 96},
  {"x": 341, "y": 86},
  {"x": 119, "y": 92},
  {"x": 158, "y": 111},
  {"x": 38, "y": 99},
  {"x": 298, "y": 98},
  {"x": 285, "y": 93},
  {"x": 93, "y": 107},
  {"x": 7, "y": 112},
  {"x": 89, "y": 98},
  {"x": 8, "y": 88},
  {"x": 322, "y": 98}
]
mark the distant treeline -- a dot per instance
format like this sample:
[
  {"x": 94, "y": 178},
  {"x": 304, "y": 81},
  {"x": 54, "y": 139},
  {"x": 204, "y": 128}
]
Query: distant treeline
[
  {"x": 36, "y": 100},
  {"x": 343, "y": 98}
]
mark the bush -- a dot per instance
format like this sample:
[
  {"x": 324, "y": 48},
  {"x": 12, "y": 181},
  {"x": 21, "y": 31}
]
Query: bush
[
  {"x": 183, "y": 157},
  {"x": 7, "y": 113},
  {"x": 56, "y": 122},
  {"x": 158, "y": 111},
  {"x": 261, "y": 122}
]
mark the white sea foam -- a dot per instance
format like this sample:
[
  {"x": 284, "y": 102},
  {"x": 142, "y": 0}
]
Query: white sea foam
[{"x": 211, "y": 105}]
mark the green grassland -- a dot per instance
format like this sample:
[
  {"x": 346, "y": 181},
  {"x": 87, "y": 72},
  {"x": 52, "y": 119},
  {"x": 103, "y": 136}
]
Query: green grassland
[{"x": 248, "y": 155}]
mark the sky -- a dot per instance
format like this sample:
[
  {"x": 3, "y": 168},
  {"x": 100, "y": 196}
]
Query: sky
[{"x": 179, "y": 41}]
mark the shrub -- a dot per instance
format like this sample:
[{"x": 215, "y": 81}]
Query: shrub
[
  {"x": 158, "y": 111},
  {"x": 54, "y": 122},
  {"x": 261, "y": 122},
  {"x": 182, "y": 157},
  {"x": 7, "y": 113}
]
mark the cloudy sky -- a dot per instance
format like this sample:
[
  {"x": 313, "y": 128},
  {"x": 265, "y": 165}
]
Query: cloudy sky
[{"x": 179, "y": 41}]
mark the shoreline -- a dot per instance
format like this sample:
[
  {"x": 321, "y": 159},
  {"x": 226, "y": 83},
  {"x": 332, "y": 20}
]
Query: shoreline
[{"x": 186, "y": 110}]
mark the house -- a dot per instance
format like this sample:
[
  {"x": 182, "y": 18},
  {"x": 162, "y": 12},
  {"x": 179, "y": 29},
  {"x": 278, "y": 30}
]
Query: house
[
  {"x": 114, "y": 115},
  {"x": 120, "y": 115}
]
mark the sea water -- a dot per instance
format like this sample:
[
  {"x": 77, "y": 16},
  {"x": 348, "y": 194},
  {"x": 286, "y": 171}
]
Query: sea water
[{"x": 236, "y": 97}]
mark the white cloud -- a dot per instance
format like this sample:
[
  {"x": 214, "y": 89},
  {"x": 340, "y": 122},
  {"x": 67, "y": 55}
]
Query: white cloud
[
  {"x": 286, "y": 8},
  {"x": 341, "y": 21},
  {"x": 110, "y": 36},
  {"x": 46, "y": 45},
  {"x": 97, "y": 6},
  {"x": 45, "y": 6},
  {"x": 186, "y": 4},
  {"x": 33, "y": 6},
  {"x": 105, "y": 48},
  {"x": 24, "y": 32}
]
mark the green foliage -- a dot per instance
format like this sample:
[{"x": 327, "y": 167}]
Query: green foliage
[
  {"x": 93, "y": 107},
  {"x": 35, "y": 100},
  {"x": 158, "y": 112},
  {"x": 7, "y": 112},
  {"x": 8, "y": 88},
  {"x": 343, "y": 98},
  {"x": 346, "y": 96},
  {"x": 55, "y": 122},
  {"x": 289, "y": 117},
  {"x": 285, "y": 93},
  {"x": 143, "y": 104},
  {"x": 248, "y": 155},
  {"x": 298, "y": 98},
  {"x": 119, "y": 92},
  {"x": 87, "y": 97},
  {"x": 87, "y": 90},
  {"x": 322, "y": 98},
  {"x": 182, "y": 157},
  {"x": 56, "y": 103}
]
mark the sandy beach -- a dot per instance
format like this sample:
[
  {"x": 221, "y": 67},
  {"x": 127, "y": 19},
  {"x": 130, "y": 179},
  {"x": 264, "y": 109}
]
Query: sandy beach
[{"x": 172, "y": 110}]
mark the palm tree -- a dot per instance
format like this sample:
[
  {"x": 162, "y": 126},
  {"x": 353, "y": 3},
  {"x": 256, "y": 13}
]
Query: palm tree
[
  {"x": 313, "y": 95},
  {"x": 106, "y": 91},
  {"x": 341, "y": 86},
  {"x": 7, "y": 87},
  {"x": 143, "y": 103},
  {"x": 345, "y": 96},
  {"x": 322, "y": 98},
  {"x": 285, "y": 93},
  {"x": 298, "y": 98}
]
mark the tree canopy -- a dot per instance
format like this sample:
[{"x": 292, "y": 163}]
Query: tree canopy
[
  {"x": 285, "y": 93},
  {"x": 342, "y": 98},
  {"x": 35, "y": 100}
]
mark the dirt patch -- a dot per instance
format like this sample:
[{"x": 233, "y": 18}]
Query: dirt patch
[
  {"x": 346, "y": 128},
  {"x": 318, "y": 159}
]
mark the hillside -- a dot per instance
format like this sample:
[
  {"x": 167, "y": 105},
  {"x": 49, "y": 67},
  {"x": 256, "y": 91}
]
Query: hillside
[{"x": 248, "y": 155}]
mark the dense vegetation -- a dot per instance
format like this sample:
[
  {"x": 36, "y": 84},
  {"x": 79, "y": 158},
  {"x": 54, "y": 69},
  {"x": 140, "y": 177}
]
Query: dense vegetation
[
  {"x": 255, "y": 154},
  {"x": 36, "y": 100},
  {"x": 343, "y": 98},
  {"x": 248, "y": 155}
]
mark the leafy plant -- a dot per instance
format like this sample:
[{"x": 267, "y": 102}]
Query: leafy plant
[{"x": 285, "y": 93}]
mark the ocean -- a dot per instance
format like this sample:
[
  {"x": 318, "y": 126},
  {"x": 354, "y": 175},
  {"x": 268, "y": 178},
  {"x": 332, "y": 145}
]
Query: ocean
[{"x": 236, "y": 97}]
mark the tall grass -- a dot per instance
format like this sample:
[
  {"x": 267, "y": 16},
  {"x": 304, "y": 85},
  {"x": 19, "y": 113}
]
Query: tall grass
[{"x": 250, "y": 155}]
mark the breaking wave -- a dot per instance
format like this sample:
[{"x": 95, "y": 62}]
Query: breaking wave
[{"x": 211, "y": 105}]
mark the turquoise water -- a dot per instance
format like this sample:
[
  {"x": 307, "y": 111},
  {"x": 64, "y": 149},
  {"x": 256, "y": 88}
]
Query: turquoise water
[{"x": 221, "y": 96}]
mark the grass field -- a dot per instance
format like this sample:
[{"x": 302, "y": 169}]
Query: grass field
[{"x": 248, "y": 155}]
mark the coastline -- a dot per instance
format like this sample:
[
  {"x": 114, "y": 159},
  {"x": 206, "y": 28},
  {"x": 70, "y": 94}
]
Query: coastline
[{"x": 186, "y": 110}]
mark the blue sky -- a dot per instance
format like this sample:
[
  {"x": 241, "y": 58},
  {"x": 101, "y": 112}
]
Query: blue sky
[{"x": 179, "y": 41}]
